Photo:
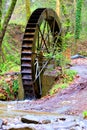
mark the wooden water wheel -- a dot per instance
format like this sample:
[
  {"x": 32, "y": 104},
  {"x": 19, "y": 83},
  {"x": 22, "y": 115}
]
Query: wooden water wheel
[{"x": 41, "y": 38}]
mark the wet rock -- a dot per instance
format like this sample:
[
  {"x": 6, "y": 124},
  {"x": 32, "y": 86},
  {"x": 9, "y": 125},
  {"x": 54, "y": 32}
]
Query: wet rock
[
  {"x": 77, "y": 56},
  {"x": 27, "y": 120},
  {"x": 1, "y": 122},
  {"x": 56, "y": 122},
  {"x": 35, "y": 119},
  {"x": 25, "y": 128},
  {"x": 18, "y": 127},
  {"x": 50, "y": 123},
  {"x": 48, "y": 80},
  {"x": 46, "y": 121}
]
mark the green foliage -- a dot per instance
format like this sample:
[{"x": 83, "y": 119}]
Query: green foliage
[
  {"x": 54, "y": 89},
  {"x": 57, "y": 87},
  {"x": 2, "y": 96},
  {"x": 5, "y": 4},
  {"x": 83, "y": 32},
  {"x": 8, "y": 66},
  {"x": 20, "y": 17},
  {"x": 9, "y": 90},
  {"x": 84, "y": 114},
  {"x": 11, "y": 54},
  {"x": 3, "y": 84},
  {"x": 5, "y": 14},
  {"x": 13, "y": 58},
  {"x": 3, "y": 68},
  {"x": 13, "y": 90},
  {"x": 28, "y": 12},
  {"x": 66, "y": 8},
  {"x": 59, "y": 56},
  {"x": 69, "y": 76},
  {"x": 43, "y": 4},
  {"x": 78, "y": 18},
  {"x": 15, "y": 86}
]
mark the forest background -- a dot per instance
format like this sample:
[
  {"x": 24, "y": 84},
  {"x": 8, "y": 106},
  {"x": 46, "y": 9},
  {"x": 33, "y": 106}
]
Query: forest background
[
  {"x": 11, "y": 47},
  {"x": 72, "y": 14}
]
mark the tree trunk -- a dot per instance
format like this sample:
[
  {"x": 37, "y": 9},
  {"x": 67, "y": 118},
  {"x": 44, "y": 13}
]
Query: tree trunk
[
  {"x": 58, "y": 7},
  {"x": 74, "y": 3},
  {"x": 3, "y": 26},
  {"x": 6, "y": 20},
  {"x": 28, "y": 12}
]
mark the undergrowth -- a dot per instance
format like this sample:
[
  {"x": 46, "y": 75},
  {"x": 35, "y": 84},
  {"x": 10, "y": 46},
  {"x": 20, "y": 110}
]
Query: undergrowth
[
  {"x": 84, "y": 113},
  {"x": 63, "y": 81},
  {"x": 9, "y": 88},
  {"x": 11, "y": 55}
]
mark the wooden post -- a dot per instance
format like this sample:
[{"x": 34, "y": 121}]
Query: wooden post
[{"x": 21, "y": 89}]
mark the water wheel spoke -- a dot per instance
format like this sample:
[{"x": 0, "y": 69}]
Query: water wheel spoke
[{"x": 43, "y": 40}]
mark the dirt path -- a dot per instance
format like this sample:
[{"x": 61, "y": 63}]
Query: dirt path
[{"x": 71, "y": 101}]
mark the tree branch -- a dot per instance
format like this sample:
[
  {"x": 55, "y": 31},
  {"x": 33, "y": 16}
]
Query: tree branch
[
  {"x": 6, "y": 20},
  {"x": 8, "y": 14}
]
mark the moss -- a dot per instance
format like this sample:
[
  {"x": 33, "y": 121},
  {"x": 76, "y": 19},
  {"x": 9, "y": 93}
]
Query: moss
[{"x": 2, "y": 96}]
